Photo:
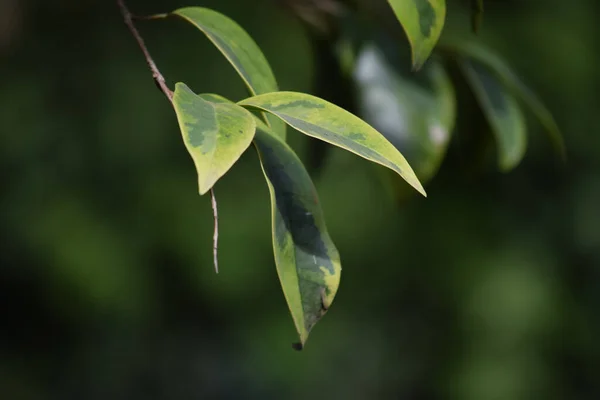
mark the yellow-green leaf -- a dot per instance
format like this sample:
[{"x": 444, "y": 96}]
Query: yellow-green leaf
[
  {"x": 320, "y": 119},
  {"x": 415, "y": 115},
  {"x": 308, "y": 264},
  {"x": 215, "y": 134},
  {"x": 502, "y": 111},
  {"x": 515, "y": 85},
  {"x": 423, "y": 21},
  {"x": 239, "y": 49}
]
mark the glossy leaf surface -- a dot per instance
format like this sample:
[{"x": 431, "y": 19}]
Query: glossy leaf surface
[
  {"x": 502, "y": 112},
  {"x": 423, "y": 21},
  {"x": 320, "y": 119},
  {"x": 239, "y": 49},
  {"x": 215, "y": 134},
  {"x": 417, "y": 117}
]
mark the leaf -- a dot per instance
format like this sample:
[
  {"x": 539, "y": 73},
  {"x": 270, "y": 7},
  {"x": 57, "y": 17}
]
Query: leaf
[
  {"x": 416, "y": 117},
  {"x": 215, "y": 134},
  {"x": 320, "y": 119},
  {"x": 519, "y": 89},
  {"x": 307, "y": 261},
  {"x": 422, "y": 21},
  {"x": 502, "y": 111},
  {"x": 239, "y": 49}
]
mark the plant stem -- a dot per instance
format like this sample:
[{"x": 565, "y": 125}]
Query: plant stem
[
  {"x": 160, "y": 81},
  {"x": 213, "y": 200}
]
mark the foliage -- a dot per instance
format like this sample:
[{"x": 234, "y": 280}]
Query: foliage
[
  {"x": 216, "y": 131},
  {"x": 486, "y": 289}
]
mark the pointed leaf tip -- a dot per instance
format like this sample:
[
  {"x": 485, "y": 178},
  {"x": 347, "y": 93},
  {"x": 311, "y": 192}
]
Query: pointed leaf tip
[
  {"x": 422, "y": 21},
  {"x": 320, "y": 119},
  {"x": 298, "y": 346}
]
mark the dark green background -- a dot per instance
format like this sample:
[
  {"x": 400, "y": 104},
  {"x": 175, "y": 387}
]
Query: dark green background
[{"x": 488, "y": 289}]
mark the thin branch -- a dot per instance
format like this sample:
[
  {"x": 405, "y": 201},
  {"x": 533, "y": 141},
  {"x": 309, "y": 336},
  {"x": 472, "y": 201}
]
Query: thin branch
[
  {"x": 213, "y": 200},
  {"x": 160, "y": 81}
]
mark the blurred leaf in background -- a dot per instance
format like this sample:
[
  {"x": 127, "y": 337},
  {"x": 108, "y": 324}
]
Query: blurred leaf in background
[{"x": 417, "y": 117}]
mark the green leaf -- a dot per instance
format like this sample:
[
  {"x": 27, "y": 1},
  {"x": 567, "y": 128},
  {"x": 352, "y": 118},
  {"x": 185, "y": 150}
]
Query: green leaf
[
  {"x": 422, "y": 21},
  {"x": 501, "y": 110},
  {"x": 239, "y": 49},
  {"x": 215, "y": 134},
  {"x": 320, "y": 119},
  {"x": 308, "y": 264},
  {"x": 415, "y": 115},
  {"x": 516, "y": 86}
]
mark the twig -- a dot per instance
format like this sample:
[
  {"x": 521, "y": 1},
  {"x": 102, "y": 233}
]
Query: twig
[
  {"x": 213, "y": 200},
  {"x": 160, "y": 81}
]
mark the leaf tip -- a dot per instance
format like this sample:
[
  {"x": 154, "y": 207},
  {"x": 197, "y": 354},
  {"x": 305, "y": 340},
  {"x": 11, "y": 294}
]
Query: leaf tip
[
  {"x": 298, "y": 346},
  {"x": 418, "y": 59},
  {"x": 507, "y": 165},
  {"x": 417, "y": 64},
  {"x": 416, "y": 184}
]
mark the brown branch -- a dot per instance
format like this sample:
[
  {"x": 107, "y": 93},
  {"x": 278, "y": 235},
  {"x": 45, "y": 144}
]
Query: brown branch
[
  {"x": 213, "y": 200},
  {"x": 160, "y": 81}
]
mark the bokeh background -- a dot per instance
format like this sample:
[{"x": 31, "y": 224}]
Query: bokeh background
[{"x": 488, "y": 289}]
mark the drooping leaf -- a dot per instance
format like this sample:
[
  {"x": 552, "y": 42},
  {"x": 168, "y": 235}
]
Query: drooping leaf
[
  {"x": 320, "y": 119},
  {"x": 502, "y": 111},
  {"x": 422, "y": 21},
  {"x": 215, "y": 134},
  {"x": 239, "y": 49},
  {"x": 307, "y": 261},
  {"x": 515, "y": 85},
  {"x": 416, "y": 117}
]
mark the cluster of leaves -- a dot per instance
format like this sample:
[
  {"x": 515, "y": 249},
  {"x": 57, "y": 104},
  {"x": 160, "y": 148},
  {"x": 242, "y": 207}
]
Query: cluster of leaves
[
  {"x": 216, "y": 131},
  {"x": 416, "y": 108}
]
